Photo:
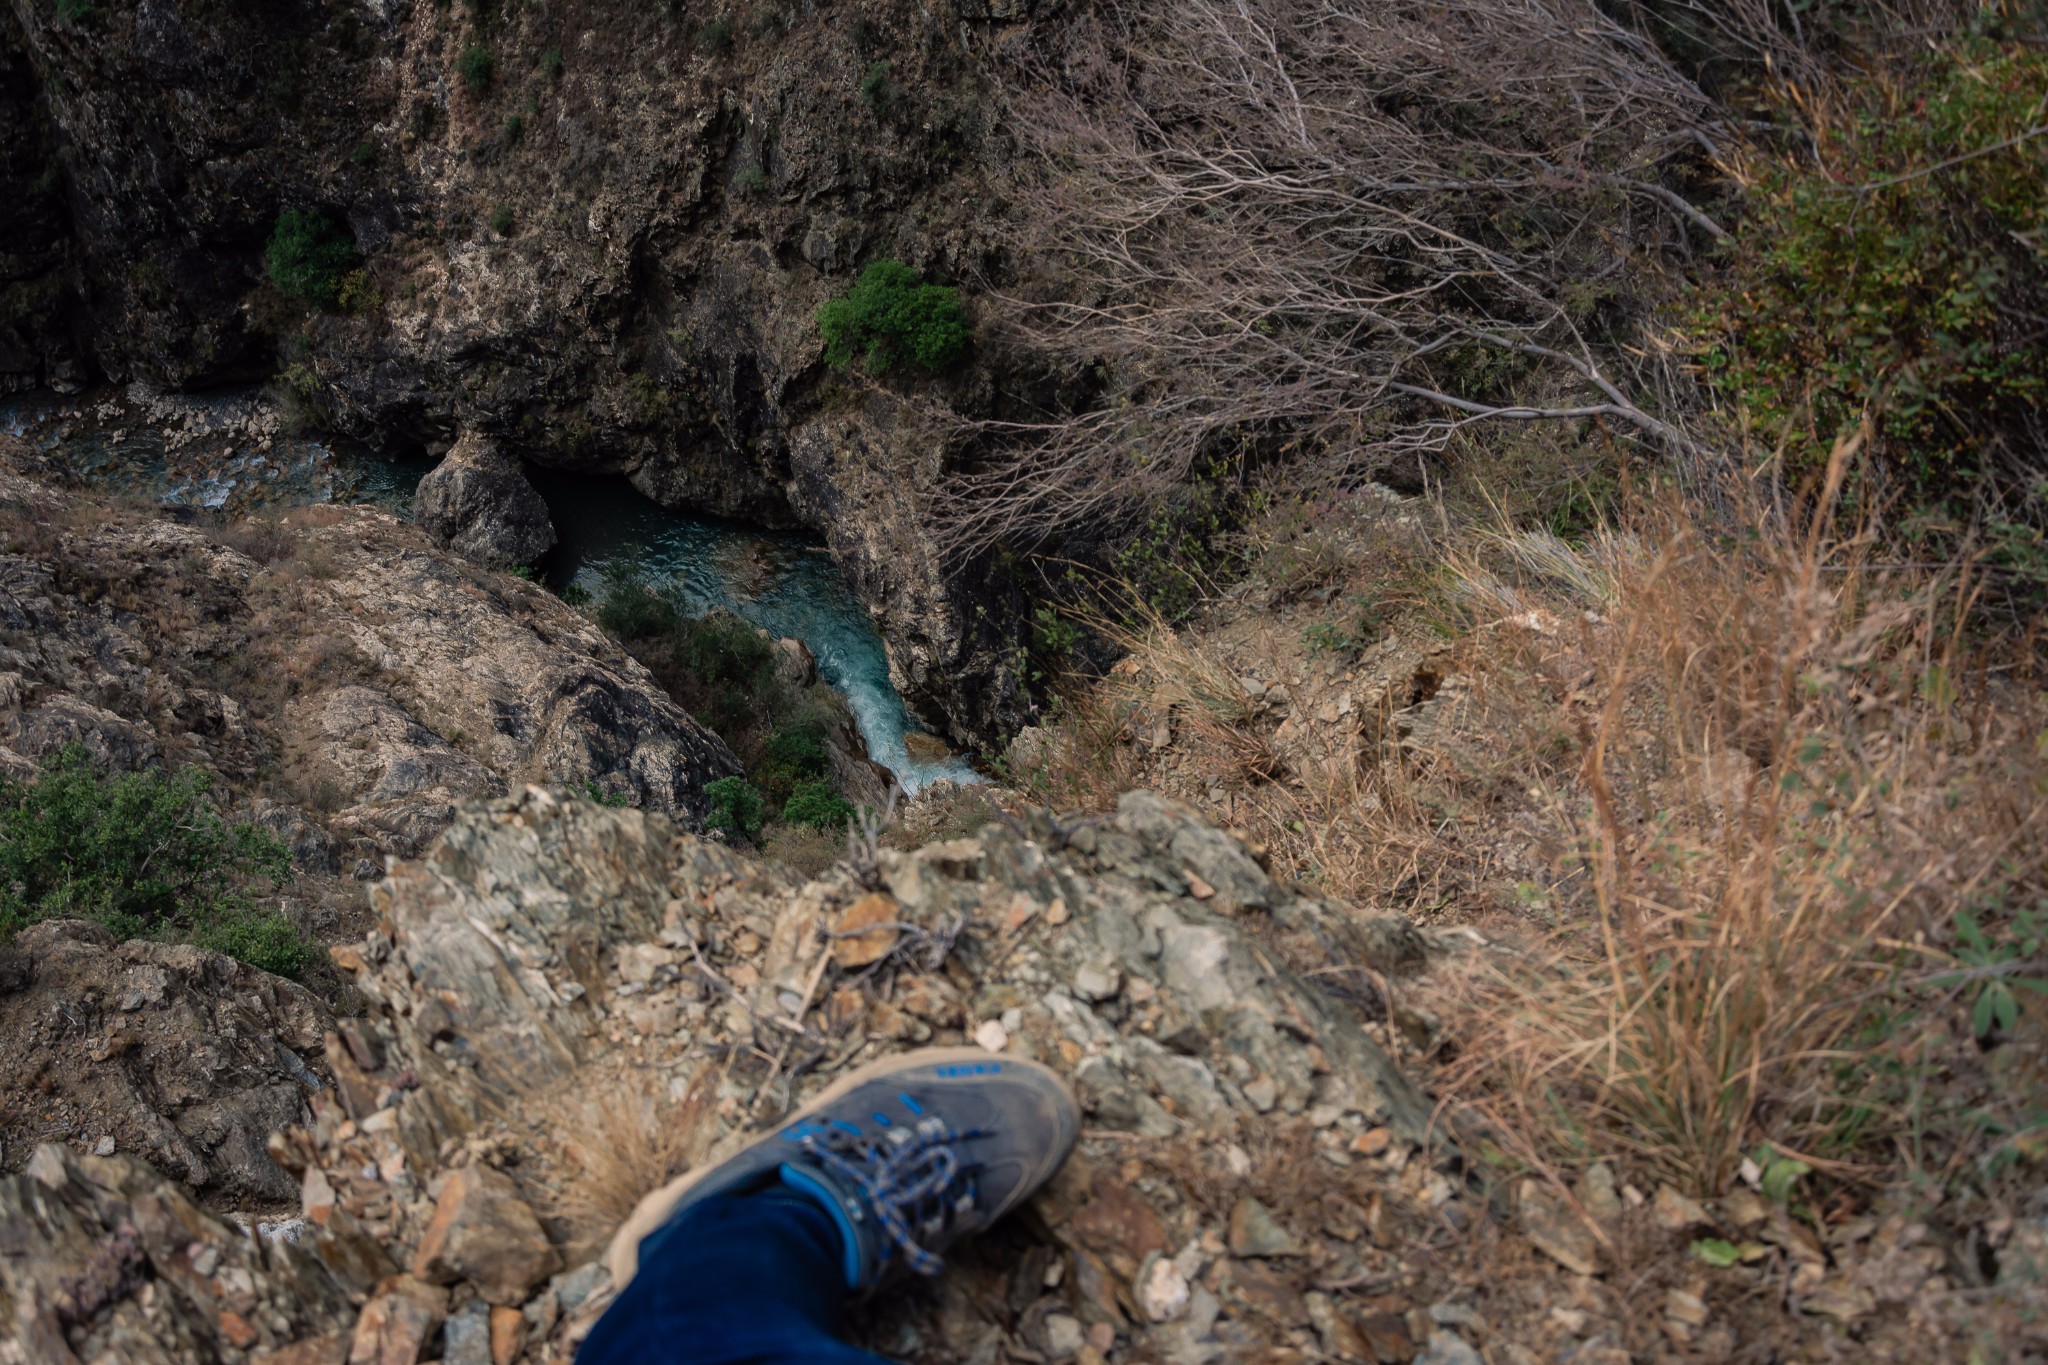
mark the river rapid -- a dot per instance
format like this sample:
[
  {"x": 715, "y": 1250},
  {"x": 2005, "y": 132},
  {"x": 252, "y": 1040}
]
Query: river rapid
[{"x": 232, "y": 453}]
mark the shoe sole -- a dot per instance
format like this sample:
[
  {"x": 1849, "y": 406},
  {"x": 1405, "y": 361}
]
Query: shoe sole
[{"x": 622, "y": 1257}]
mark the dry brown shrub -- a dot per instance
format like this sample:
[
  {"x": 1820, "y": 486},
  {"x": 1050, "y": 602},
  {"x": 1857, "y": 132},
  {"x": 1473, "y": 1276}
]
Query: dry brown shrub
[
  {"x": 622, "y": 1137},
  {"x": 1791, "y": 777}
]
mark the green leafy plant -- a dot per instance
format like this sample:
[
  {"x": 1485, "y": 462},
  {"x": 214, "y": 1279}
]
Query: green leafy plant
[
  {"x": 358, "y": 294},
  {"x": 551, "y": 63},
  {"x": 364, "y": 153},
  {"x": 145, "y": 854},
  {"x": 890, "y": 317},
  {"x": 1990, "y": 959},
  {"x": 715, "y": 38},
  {"x": 814, "y": 803},
  {"x": 614, "y": 800},
  {"x": 476, "y": 66},
  {"x": 877, "y": 91},
  {"x": 753, "y": 180},
  {"x": 74, "y": 12},
  {"x": 1777, "y": 1174},
  {"x": 1717, "y": 1252},
  {"x": 515, "y": 128},
  {"x": 501, "y": 221},
  {"x": 309, "y": 255},
  {"x": 736, "y": 807},
  {"x": 1902, "y": 262}
]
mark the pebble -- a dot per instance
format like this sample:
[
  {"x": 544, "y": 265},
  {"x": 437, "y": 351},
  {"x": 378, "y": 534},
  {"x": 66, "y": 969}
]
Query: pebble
[
  {"x": 1448, "y": 1348},
  {"x": 104, "y": 1147},
  {"x": 1674, "y": 1212},
  {"x": 1162, "y": 1289},
  {"x": 991, "y": 1036},
  {"x": 1063, "y": 1336}
]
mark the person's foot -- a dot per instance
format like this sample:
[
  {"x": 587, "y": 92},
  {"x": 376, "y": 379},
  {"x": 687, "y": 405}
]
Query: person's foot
[{"x": 908, "y": 1154}]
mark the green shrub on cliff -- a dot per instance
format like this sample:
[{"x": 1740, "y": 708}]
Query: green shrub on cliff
[
  {"x": 145, "y": 854},
  {"x": 1901, "y": 263},
  {"x": 736, "y": 808},
  {"x": 890, "y": 317},
  {"x": 476, "y": 66},
  {"x": 814, "y": 803},
  {"x": 309, "y": 255}
]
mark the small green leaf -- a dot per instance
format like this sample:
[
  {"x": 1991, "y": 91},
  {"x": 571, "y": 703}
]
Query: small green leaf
[
  {"x": 1716, "y": 1252},
  {"x": 1780, "y": 1175}
]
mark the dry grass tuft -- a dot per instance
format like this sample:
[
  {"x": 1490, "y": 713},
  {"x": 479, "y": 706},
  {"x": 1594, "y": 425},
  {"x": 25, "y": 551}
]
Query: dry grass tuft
[
  {"x": 622, "y": 1138},
  {"x": 1783, "y": 798}
]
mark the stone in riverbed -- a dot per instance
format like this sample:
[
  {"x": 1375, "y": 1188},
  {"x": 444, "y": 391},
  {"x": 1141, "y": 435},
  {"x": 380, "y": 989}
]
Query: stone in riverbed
[{"x": 479, "y": 504}]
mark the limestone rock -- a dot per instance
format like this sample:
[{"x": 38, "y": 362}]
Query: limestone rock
[
  {"x": 863, "y": 934},
  {"x": 115, "y": 1248},
  {"x": 1555, "y": 1229},
  {"x": 182, "y": 1056},
  {"x": 478, "y": 504},
  {"x": 396, "y": 1325},
  {"x": 483, "y": 1232},
  {"x": 1255, "y": 1232}
]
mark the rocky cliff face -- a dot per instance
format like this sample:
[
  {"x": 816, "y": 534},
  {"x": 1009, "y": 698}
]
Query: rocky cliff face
[
  {"x": 596, "y": 235},
  {"x": 554, "y": 969},
  {"x": 333, "y": 666}
]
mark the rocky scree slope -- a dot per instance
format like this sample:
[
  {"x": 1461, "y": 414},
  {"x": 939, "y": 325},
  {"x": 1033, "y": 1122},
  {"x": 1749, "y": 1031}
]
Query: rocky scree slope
[
  {"x": 1250, "y": 1166},
  {"x": 597, "y": 234}
]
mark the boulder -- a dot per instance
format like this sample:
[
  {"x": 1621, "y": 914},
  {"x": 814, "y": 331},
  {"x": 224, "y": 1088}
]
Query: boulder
[
  {"x": 483, "y": 1232},
  {"x": 181, "y": 1056},
  {"x": 478, "y": 504}
]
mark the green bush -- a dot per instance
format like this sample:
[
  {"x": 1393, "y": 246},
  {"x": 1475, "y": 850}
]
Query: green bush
[
  {"x": 501, "y": 221},
  {"x": 715, "y": 38},
  {"x": 308, "y": 256},
  {"x": 143, "y": 854},
  {"x": 551, "y": 63},
  {"x": 890, "y": 317},
  {"x": 736, "y": 808},
  {"x": 877, "y": 91},
  {"x": 476, "y": 66},
  {"x": 814, "y": 803},
  {"x": 1905, "y": 266}
]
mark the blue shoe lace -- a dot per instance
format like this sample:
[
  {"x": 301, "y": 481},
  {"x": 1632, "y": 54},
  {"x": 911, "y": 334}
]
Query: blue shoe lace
[{"x": 913, "y": 1180}]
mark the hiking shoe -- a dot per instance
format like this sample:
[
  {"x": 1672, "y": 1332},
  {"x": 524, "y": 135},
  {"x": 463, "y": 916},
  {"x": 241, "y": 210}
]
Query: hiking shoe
[{"x": 908, "y": 1154}]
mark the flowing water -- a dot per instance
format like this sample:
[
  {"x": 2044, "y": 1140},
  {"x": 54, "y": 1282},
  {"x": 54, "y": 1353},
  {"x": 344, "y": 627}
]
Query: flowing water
[{"x": 230, "y": 453}]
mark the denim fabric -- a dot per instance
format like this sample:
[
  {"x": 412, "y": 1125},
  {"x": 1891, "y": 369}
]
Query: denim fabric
[{"x": 738, "y": 1280}]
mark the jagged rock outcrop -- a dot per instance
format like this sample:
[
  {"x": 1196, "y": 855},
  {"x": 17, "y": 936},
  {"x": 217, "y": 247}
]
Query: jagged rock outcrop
[
  {"x": 553, "y": 969},
  {"x": 336, "y": 663},
  {"x": 185, "y": 1058},
  {"x": 478, "y": 504},
  {"x": 125, "y": 1267},
  {"x": 606, "y": 250}
]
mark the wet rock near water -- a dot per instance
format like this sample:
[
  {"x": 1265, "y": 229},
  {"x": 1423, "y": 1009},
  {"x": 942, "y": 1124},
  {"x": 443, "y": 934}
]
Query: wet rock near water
[{"x": 478, "y": 504}]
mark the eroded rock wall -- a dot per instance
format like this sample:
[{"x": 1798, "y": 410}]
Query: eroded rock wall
[{"x": 606, "y": 255}]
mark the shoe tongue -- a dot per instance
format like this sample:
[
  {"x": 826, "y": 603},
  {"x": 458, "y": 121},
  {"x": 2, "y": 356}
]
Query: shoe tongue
[{"x": 847, "y": 1209}]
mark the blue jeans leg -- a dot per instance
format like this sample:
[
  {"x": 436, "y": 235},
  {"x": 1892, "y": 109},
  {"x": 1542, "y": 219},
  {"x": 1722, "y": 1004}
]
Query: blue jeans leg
[{"x": 738, "y": 1280}]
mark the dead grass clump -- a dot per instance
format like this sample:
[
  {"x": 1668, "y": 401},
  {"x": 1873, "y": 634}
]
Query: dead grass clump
[
  {"x": 265, "y": 539},
  {"x": 622, "y": 1137},
  {"x": 1784, "y": 801}
]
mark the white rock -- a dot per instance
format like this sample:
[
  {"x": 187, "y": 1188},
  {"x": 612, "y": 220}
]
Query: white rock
[
  {"x": 1063, "y": 1336},
  {"x": 104, "y": 1147},
  {"x": 991, "y": 1034},
  {"x": 1162, "y": 1289}
]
